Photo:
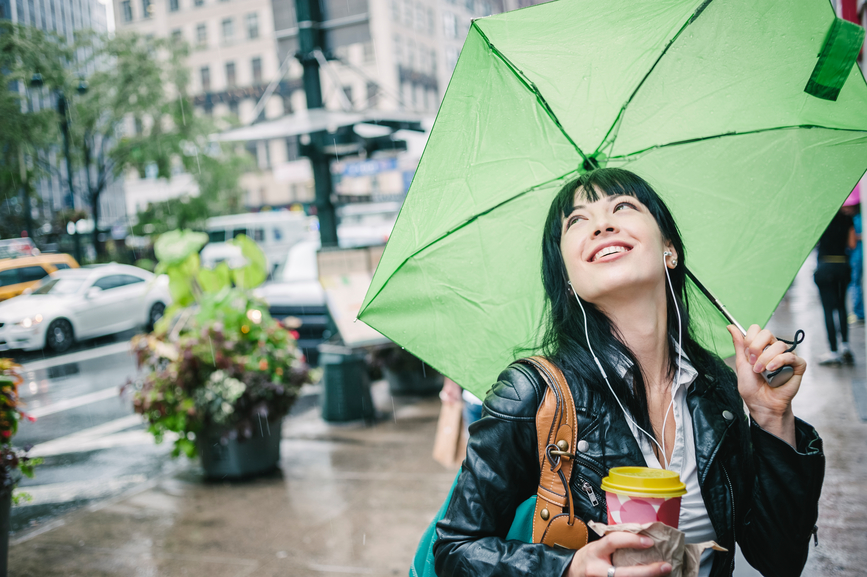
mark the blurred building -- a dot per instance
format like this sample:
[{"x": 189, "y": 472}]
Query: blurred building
[
  {"x": 233, "y": 59},
  {"x": 388, "y": 55},
  {"x": 62, "y": 17}
]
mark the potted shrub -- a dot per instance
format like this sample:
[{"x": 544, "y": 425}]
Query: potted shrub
[
  {"x": 218, "y": 373},
  {"x": 13, "y": 462}
]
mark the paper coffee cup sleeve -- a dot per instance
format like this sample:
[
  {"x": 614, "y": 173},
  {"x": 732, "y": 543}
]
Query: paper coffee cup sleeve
[{"x": 668, "y": 545}]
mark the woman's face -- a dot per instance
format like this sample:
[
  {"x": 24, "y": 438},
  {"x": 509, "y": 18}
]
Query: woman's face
[{"x": 613, "y": 248}]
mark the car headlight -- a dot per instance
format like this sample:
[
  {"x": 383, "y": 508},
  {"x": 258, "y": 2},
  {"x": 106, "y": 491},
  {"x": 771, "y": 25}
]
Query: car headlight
[{"x": 28, "y": 322}]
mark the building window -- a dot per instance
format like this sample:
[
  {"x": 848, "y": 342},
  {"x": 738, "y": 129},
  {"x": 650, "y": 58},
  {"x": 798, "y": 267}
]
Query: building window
[
  {"x": 420, "y": 14},
  {"x": 367, "y": 51},
  {"x": 451, "y": 58},
  {"x": 230, "y": 75},
  {"x": 202, "y": 34},
  {"x": 174, "y": 5},
  {"x": 147, "y": 8},
  {"x": 407, "y": 13},
  {"x": 257, "y": 70},
  {"x": 177, "y": 36},
  {"x": 395, "y": 11},
  {"x": 372, "y": 94},
  {"x": 126, "y": 7},
  {"x": 199, "y": 2},
  {"x": 228, "y": 28},
  {"x": 233, "y": 107},
  {"x": 206, "y": 78},
  {"x": 450, "y": 25},
  {"x": 398, "y": 49},
  {"x": 252, "y": 25},
  {"x": 410, "y": 53},
  {"x": 430, "y": 22}
]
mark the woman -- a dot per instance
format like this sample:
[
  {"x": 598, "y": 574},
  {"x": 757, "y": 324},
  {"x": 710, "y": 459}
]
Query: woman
[{"x": 612, "y": 255}]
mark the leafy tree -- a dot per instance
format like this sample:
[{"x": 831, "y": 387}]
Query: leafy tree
[
  {"x": 128, "y": 109},
  {"x": 24, "y": 135}
]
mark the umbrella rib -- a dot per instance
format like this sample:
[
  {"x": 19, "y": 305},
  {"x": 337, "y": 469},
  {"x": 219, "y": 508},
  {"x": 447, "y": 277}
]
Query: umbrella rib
[
  {"x": 611, "y": 135},
  {"x": 631, "y": 156},
  {"x": 460, "y": 226},
  {"x": 532, "y": 87}
]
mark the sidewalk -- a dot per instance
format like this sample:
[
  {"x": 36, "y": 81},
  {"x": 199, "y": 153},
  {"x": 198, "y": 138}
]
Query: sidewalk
[{"x": 354, "y": 500}]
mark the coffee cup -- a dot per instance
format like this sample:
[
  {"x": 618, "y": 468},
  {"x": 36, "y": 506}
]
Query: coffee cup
[{"x": 643, "y": 495}]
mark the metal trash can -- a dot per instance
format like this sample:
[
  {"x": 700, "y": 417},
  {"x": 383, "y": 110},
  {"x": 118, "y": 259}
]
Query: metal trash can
[{"x": 346, "y": 386}]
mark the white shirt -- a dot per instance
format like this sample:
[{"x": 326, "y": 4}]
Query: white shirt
[{"x": 694, "y": 520}]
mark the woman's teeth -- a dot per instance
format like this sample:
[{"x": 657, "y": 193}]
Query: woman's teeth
[{"x": 609, "y": 250}]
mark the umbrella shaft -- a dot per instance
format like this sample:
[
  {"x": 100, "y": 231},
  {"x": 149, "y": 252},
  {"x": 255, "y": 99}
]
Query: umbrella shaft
[{"x": 716, "y": 302}]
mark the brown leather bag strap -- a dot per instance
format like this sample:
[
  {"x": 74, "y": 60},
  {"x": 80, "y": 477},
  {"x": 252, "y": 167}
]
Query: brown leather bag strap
[{"x": 556, "y": 430}]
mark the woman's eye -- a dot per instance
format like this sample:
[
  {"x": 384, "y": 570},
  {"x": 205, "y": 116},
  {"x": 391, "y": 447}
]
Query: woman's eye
[
  {"x": 572, "y": 220},
  {"x": 623, "y": 204}
]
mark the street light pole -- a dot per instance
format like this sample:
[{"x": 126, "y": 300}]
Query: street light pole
[
  {"x": 309, "y": 16},
  {"x": 62, "y": 109}
]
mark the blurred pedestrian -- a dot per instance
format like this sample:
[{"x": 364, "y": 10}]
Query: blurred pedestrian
[
  {"x": 832, "y": 277},
  {"x": 852, "y": 207},
  {"x": 472, "y": 410}
]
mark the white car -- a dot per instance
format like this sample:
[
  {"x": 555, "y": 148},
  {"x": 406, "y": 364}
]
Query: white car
[
  {"x": 82, "y": 303},
  {"x": 295, "y": 292}
]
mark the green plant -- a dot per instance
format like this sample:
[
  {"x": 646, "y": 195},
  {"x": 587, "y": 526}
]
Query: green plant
[
  {"x": 217, "y": 358},
  {"x": 13, "y": 462}
]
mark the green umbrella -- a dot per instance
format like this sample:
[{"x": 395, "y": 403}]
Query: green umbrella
[{"x": 747, "y": 116}]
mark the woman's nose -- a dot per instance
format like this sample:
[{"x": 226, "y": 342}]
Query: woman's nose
[{"x": 603, "y": 228}]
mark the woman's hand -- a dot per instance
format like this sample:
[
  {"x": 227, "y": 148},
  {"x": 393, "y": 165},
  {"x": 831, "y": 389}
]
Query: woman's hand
[
  {"x": 771, "y": 407},
  {"x": 594, "y": 559}
]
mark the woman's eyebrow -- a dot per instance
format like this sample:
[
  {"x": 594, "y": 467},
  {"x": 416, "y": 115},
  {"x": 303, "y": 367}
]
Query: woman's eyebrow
[{"x": 611, "y": 198}]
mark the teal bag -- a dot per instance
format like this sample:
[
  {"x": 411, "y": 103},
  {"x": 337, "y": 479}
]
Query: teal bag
[{"x": 521, "y": 530}]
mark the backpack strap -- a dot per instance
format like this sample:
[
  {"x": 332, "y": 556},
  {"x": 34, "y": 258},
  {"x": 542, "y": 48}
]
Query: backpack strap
[{"x": 554, "y": 522}]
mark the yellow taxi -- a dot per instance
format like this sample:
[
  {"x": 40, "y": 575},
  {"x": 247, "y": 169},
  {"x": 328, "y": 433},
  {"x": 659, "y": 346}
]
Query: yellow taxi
[{"x": 18, "y": 274}]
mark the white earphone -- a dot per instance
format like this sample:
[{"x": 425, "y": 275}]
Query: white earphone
[{"x": 605, "y": 376}]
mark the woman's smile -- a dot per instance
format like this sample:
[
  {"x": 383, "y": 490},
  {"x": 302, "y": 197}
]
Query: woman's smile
[{"x": 609, "y": 251}]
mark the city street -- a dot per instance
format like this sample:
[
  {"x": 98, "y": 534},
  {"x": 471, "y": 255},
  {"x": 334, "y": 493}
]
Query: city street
[
  {"x": 92, "y": 444},
  {"x": 352, "y": 499}
]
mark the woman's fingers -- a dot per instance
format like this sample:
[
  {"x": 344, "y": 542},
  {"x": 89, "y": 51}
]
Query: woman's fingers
[
  {"x": 756, "y": 341},
  {"x": 791, "y": 359},
  {"x": 768, "y": 355},
  {"x": 652, "y": 570},
  {"x": 622, "y": 540},
  {"x": 594, "y": 560}
]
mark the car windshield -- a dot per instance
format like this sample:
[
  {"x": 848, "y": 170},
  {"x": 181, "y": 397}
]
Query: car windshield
[
  {"x": 59, "y": 286},
  {"x": 300, "y": 264}
]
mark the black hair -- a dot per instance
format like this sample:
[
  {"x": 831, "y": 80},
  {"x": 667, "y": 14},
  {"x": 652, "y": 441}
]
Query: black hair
[{"x": 564, "y": 339}]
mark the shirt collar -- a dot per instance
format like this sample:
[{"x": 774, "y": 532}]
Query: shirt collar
[{"x": 687, "y": 372}]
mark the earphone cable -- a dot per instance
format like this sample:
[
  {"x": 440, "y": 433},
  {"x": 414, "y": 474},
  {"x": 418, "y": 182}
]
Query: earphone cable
[{"x": 605, "y": 376}]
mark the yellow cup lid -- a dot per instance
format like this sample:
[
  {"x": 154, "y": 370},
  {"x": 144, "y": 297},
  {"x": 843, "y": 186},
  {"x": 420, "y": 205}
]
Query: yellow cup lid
[{"x": 644, "y": 482}]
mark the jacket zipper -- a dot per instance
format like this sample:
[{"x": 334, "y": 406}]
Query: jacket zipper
[
  {"x": 734, "y": 515},
  {"x": 588, "y": 488}
]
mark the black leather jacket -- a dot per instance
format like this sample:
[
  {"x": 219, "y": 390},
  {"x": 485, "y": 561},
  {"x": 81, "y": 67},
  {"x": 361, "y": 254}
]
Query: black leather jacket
[{"x": 758, "y": 490}]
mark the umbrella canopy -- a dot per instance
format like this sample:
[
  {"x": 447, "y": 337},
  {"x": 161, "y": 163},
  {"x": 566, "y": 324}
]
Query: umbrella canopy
[{"x": 746, "y": 116}]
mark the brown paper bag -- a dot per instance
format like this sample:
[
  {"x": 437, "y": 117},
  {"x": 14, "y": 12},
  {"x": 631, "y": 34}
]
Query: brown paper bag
[
  {"x": 450, "y": 443},
  {"x": 668, "y": 545}
]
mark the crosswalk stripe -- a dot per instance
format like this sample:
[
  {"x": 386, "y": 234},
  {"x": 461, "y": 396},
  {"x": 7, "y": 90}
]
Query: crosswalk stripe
[{"x": 74, "y": 402}]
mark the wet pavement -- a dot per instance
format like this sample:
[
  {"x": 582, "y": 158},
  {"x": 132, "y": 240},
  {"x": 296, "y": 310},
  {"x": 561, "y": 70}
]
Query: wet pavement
[{"x": 354, "y": 499}]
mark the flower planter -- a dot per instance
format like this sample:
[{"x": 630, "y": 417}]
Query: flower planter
[
  {"x": 238, "y": 458},
  {"x": 5, "y": 512},
  {"x": 413, "y": 381}
]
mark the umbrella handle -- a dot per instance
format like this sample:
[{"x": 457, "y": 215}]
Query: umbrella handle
[
  {"x": 778, "y": 377},
  {"x": 774, "y": 378}
]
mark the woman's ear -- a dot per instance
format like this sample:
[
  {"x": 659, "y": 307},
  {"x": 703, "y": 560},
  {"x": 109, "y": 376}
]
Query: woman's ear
[{"x": 670, "y": 256}]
